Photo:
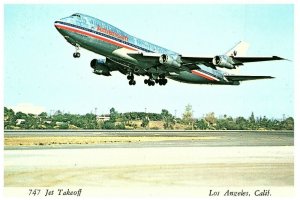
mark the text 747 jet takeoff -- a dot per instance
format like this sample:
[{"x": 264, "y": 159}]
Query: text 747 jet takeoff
[{"x": 133, "y": 56}]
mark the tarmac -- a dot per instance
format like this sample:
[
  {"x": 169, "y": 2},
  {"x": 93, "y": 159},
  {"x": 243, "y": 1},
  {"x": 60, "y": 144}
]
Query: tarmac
[{"x": 158, "y": 168}]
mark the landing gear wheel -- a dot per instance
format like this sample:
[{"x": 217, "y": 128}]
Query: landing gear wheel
[
  {"x": 132, "y": 82},
  {"x": 130, "y": 77},
  {"x": 151, "y": 83},
  {"x": 76, "y": 55},
  {"x": 146, "y": 81},
  {"x": 165, "y": 81}
]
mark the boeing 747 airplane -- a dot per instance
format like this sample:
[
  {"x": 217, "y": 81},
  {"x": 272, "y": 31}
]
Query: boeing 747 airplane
[{"x": 133, "y": 56}]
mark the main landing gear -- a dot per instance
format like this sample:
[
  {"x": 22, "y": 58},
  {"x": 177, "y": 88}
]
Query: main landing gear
[
  {"x": 130, "y": 77},
  {"x": 149, "y": 81},
  {"x": 161, "y": 81},
  {"x": 76, "y": 54}
]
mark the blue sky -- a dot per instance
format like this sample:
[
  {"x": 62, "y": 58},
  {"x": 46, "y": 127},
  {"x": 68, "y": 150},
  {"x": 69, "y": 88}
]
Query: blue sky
[{"x": 39, "y": 67}]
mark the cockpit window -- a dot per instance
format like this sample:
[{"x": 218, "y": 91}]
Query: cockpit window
[{"x": 75, "y": 15}]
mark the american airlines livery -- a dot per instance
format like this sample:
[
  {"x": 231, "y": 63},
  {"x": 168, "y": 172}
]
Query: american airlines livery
[{"x": 133, "y": 56}]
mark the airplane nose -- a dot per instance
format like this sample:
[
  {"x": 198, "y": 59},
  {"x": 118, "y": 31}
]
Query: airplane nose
[{"x": 56, "y": 24}]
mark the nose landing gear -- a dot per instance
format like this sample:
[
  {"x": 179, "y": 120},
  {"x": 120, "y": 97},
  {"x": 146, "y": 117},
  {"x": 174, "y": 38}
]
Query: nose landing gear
[{"x": 76, "y": 54}]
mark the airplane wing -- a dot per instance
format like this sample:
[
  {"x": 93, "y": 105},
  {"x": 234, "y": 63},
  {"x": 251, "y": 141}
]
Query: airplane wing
[
  {"x": 154, "y": 59},
  {"x": 208, "y": 61},
  {"x": 190, "y": 63},
  {"x": 245, "y": 78}
]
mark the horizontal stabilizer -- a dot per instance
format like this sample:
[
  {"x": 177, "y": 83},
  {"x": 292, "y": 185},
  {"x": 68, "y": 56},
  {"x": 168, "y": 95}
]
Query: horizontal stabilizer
[{"x": 245, "y": 78}]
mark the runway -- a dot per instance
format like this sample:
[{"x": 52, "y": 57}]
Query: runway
[
  {"x": 143, "y": 138},
  {"x": 168, "y": 168}
]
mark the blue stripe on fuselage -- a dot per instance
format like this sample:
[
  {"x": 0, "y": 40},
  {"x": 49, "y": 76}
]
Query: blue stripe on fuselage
[
  {"x": 130, "y": 42},
  {"x": 104, "y": 35}
]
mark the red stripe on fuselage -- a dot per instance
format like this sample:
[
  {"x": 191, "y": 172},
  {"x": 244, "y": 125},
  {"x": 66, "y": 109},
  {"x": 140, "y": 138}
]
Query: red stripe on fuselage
[
  {"x": 64, "y": 27},
  {"x": 203, "y": 75},
  {"x": 86, "y": 33}
]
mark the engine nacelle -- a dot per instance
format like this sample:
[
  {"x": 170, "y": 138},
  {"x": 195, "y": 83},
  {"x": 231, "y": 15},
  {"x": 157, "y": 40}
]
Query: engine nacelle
[
  {"x": 100, "y": 67},
  {"x": 165, "y": 59},
  {"x": 100, "y": 62},
  {"x": 223, "y": 61}
]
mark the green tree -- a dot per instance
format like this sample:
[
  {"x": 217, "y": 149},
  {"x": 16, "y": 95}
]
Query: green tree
[
  {"x": 187, "y": 116},
  {"x": 113, "y": 114},
  {"x": 211, "y": 119},
  {"x": 9, "y": 118},
  {"x": 90, "y": 121},
  {"x": 109, "y": 125},
  {"x": 201, "y": 124},
  {"x": 32, "y": 122},
  {"x": 20, "y": 115},
  {"x": 120, "y": 126},
  {"x": 252, "y": 122},
  {"x": 58, "y": 112},
  {"x": 168, "y": 119},
  {"x": 242, "y": 123},
  {"x": 43, "y": 115},
  {"x": 222, "y": 124},
  {"x": 145, "y": 122},
  {"x": 288, "y": 124}
]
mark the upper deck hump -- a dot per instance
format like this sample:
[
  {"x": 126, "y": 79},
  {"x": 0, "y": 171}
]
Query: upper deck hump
[{"x": 112, "y": 30}]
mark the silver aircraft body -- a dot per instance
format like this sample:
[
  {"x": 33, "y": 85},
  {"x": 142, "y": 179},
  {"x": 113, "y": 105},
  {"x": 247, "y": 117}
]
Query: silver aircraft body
[{"x": 133, "y": 56}]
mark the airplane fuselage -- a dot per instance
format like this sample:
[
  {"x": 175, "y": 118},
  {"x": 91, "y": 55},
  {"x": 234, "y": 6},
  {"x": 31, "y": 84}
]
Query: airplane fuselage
[
  {"x": 133, "y": 56},
  {"x": 104, "y": 39}
]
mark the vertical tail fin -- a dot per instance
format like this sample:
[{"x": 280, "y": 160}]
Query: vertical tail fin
[{"x": 238, "y": 50}]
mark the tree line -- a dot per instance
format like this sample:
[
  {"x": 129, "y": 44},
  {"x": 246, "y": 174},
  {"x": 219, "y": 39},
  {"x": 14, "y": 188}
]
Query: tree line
[{"x": 142, "y": 120}]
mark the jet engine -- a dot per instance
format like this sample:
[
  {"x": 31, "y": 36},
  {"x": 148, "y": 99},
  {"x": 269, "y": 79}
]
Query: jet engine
[
  {"x": 165, "y": 59},
  {"x": 100, "y": 67},
  {"x": 223, "y": 61}
]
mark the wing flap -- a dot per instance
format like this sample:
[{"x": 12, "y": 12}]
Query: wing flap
[
  {"x": 191, "y": 62},
  {"x": 154, "y": 58},
  {"x": 245, "y": 77},
  {"x": 241, "y": 60},
  {"x": 141, "y": 55}
]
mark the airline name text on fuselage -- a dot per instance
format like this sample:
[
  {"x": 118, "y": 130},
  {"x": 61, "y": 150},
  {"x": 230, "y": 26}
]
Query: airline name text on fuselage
[{"x": 112, "y": 33}]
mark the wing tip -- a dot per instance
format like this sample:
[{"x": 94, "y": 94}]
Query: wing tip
[{"x": 280, "y": 58}]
